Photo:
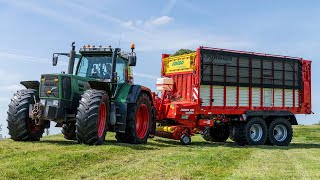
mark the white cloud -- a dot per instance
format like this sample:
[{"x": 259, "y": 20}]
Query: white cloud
[
  {"x": 195, "y": 7},
  {"x": 72, "y": 21},
  {"x": 162, "y": 20},
  {"x": 150, "y": 23},
  {"x": 173, "y": 39},
  {"x": 8, "y": 76},
  {"x": 169, "y": 6},
  {"x": 127, "y": 24},
  {"x": 145, "y": 34},
  {"x": 103, "y": 15},
  {"x": 26, "y": 58},
  {"x": 11, "y": 88}
]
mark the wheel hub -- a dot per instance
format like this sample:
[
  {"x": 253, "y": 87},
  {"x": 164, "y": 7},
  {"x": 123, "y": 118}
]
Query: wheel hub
[
  {"x": 256, "y": 132},
  {"x": 280, "y": 132}
]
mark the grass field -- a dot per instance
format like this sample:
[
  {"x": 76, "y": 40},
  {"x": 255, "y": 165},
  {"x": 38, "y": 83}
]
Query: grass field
[{"x": 55, "y": 158}]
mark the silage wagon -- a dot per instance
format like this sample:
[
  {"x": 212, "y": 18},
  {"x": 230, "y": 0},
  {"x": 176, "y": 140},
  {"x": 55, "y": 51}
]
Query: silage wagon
[{"x": 250, "y": 97}]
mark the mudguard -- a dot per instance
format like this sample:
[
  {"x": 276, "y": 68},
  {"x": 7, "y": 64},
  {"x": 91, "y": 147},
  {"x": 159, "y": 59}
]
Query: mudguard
[
  {"x": 135, "y": 91},
  {"x": 99, "y": 85},
  {"x": 266, "y": 114},
  {"x": 31, "y": 84}
]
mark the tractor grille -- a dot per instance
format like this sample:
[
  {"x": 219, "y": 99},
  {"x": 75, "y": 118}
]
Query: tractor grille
[
  {"x": 49, "y": 87},
  {"x": 66, "y": 87}
]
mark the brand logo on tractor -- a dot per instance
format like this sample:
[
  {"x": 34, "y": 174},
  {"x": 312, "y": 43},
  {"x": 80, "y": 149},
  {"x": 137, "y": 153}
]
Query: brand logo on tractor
[{"x": 178, "y": 63}]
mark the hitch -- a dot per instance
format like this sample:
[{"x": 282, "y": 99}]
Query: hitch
[{"x": 36, "y": 112}]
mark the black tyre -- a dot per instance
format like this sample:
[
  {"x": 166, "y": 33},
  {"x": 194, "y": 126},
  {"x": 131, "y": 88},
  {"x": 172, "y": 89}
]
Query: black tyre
[
  {"x": 139, "y": 121},
  {"x": 253, "y": 132},
  {"x": 237, "y": 133},
  {"x": 218, "y": 133},
  {"x": 185, "y": 139},
  {"x": 256, "y": 131},
  {"x": 69, "y": 131},
  {"x": 92, "y": 117},
  {"x": 280, "y": 132},
  {"x": 21, "y": 127}
]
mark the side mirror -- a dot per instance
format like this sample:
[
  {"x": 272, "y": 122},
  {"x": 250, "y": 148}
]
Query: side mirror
[
  {"x": 132, "y": 60},
  {"x": 55, "y": 60}
]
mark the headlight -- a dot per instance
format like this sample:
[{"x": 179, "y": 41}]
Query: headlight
[
  {"x": 43, "y": 101},
  {"x": 55, "y": 103}
]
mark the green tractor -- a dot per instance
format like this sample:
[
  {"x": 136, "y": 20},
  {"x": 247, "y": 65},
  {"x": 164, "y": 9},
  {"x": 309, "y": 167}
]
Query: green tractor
[{"x": 98, "y": 96}]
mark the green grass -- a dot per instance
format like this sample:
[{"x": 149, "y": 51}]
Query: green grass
[{"x": 55, "y": 158}]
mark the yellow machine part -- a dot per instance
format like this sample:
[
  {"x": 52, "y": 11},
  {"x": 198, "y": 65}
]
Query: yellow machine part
[
  {"x": 181, "y": 63},
  {"x": 169, "y": 129}
]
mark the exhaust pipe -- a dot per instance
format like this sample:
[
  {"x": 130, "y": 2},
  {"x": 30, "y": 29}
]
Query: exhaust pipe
[{"x": 72, "y": 58}]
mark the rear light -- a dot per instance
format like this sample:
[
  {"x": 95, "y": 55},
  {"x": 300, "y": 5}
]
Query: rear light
[{"x": 205, "y": 122}]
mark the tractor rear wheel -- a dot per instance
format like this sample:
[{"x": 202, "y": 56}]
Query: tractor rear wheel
[
  {"x": 21, "y": 126},
  {"x": 92, "y": 117},
  {"x": 139, "y": 121},
  {"x": 69, "y": 131},
  {"x": 218, "y": 133}
]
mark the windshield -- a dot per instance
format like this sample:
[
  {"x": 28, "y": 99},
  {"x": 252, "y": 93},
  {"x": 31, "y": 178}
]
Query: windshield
[{"x": 100, "y": 67}]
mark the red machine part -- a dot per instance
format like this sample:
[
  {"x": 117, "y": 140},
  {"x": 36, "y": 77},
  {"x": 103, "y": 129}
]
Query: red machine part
[
  {"x": 187, "y": 109},
  {"x": 186, "y": 92}
]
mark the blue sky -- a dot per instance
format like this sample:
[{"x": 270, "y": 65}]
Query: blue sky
[{"x": 32, "y": 30}]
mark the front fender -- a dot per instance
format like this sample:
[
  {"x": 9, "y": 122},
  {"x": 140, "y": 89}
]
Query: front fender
[
  {"x": 99, "y": 85},
  {"x": 31, "y": 84}
]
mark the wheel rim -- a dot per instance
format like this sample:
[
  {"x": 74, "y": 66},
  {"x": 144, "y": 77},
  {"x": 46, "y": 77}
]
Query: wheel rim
[
  {"x": 256, "y": 132},
  {"x": 186, "y": 139},
  {"x": 280, "y": 132},
  {"x": 102, "y": 119},
  {"x": 142, "y": 121}
]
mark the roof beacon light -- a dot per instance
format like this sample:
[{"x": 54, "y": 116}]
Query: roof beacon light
[{"x": 132, "y": 46}]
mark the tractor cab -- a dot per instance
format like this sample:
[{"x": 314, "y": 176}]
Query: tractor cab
[
  {"x": 97, "y": 63},
  {"x": 101, "y": 63}
]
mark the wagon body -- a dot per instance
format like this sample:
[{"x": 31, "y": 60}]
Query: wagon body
[{"x": 214, "y": 84}]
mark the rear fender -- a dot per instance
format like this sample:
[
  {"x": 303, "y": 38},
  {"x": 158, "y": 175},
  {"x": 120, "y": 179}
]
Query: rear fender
[{"x": 135, "y": 91}]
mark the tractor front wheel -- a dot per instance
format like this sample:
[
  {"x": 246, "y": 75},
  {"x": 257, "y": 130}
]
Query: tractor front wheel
[
  {"x": 69, "y": 131},
  {"x": 139, "y": 121},
  {"x": 21, "y": 126},
  {"x": 92, "y": 117}
]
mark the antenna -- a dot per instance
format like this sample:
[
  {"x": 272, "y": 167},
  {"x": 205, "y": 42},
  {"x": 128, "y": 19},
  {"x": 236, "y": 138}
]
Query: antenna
[{"x": 119, "y": 42}]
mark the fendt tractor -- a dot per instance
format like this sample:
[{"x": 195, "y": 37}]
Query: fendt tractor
[
  {"x": 98, "y": 96},
  {"x": 250, "y": 97}
]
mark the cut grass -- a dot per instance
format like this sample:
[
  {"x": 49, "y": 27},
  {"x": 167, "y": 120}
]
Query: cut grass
[{"x": 55, "y": 158}]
